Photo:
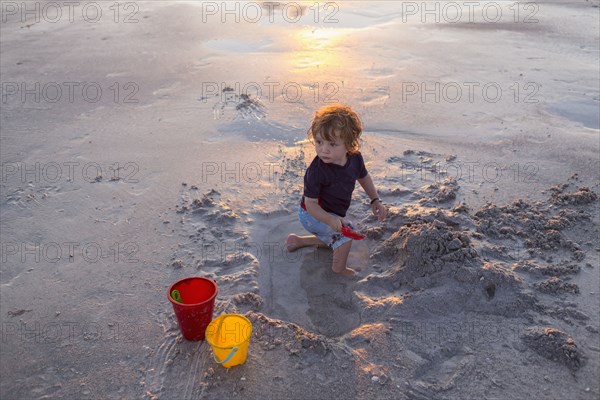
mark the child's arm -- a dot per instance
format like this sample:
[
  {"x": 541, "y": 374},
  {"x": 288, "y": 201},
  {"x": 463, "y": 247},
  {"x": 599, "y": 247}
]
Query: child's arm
[
  {"x": 314, "y": 209},
  {"x": 377, "y": 206}
]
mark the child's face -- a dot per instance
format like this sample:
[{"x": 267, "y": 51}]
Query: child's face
[{"x": 331, "y": 152}]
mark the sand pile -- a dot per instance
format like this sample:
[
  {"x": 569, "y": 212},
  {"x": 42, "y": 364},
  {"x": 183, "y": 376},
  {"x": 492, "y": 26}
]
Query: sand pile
[
  {"x": 441, "y": 261},
  {"x": 538, "y": 225},
  {"x": 553, "y": 344},
  {"x": 445, "y": 262},
  {"x": 422, "y": 248}
]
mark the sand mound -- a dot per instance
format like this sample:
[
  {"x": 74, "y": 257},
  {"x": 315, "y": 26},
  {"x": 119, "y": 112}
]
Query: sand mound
[
  {"x": 553, "y": 344},
  {"x": 248, "y": 299},
  {"x": 582, "y": 196},
  {"x": 540, "y": 224},
  {"x": 556, "y": 285},
  {"x": 546, "y": 270},
  {"x": 443, "y": 260},
  {"x": 295, "y": 339},
  {"x": 423, "y": 248},
  {"x": 440, "y": 192}
]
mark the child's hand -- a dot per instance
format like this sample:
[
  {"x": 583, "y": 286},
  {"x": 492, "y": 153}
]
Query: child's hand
[
  {"x": 336, "y": 223},
  {"x": 379, "y": 210}
]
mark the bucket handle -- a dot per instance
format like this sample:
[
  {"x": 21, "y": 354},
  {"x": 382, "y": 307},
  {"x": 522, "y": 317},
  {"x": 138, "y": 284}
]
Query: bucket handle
[{"x": 234, "y": 349}]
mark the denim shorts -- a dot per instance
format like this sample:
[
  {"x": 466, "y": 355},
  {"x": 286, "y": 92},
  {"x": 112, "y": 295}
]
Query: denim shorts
[{"x": 321, "y": 230}]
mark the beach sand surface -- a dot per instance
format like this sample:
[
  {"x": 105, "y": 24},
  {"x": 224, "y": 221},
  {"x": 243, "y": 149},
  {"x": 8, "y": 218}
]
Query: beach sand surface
[{"x": 181, "y": 152}]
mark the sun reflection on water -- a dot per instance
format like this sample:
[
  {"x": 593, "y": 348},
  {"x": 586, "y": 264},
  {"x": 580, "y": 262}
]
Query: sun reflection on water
[{"x": 318, "y": 47}]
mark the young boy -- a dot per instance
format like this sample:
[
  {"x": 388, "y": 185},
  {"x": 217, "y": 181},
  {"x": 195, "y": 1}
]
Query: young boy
[{"x": 329, "y": 182}]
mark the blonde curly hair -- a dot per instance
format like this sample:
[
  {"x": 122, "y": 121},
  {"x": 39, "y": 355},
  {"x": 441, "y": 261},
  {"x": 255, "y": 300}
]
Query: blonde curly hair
[{"x": 337, "y": 120}]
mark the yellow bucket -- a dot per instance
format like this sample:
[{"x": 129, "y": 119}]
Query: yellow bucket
[{"x": 229, "y": 336}]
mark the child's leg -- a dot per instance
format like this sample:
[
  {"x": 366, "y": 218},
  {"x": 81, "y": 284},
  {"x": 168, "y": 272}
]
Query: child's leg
[
  {"x": 295, "y": 242},
  {"x": 340, "y": 258}
]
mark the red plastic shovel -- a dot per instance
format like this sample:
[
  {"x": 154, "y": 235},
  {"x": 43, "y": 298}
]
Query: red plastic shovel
[{"x": 352, "y": 234}]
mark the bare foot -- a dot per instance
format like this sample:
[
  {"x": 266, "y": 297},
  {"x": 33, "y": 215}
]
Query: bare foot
[
  {"x": 292, "y": 243},
  {"x": 346, "y": 272}
]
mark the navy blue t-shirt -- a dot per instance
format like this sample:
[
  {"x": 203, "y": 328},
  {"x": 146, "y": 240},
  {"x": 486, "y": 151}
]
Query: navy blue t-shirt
[{"x": 333, "y": 184}]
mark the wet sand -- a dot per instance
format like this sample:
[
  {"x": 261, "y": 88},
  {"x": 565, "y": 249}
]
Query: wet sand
[{"x": 482, "y": 283}]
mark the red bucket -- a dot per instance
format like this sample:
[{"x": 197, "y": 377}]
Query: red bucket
[{"x": 198, "y": 296}]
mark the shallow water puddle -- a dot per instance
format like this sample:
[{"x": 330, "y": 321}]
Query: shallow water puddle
[
  {"x": 583, "y": 112},
  {"x": 300, "y": 287}
]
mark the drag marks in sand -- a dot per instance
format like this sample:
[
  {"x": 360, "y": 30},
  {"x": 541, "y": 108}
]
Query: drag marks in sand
[{"x": 177, "y": 368}]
